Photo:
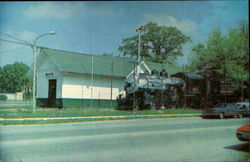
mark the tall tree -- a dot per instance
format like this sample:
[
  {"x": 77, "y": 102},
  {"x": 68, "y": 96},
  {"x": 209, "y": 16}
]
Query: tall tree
[
  {"x": 228, "y": 54},
  {"x": 159, "y": 43},
  {"x": 13, "y": 78},
  {"x": 238, "y": 51}
]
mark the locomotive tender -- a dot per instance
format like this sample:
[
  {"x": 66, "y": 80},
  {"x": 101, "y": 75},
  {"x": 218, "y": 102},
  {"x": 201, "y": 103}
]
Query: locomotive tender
[{"x": 157, "y": 90}]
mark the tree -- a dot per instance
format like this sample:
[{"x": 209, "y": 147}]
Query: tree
[
  {"x": 159, "y": 43},
  {"x": 228, "y": 54},
  {"x": 107, "y": 54},
  {"x": 198, "y": 57},
  {"x": 238, "y": 51},
  {"x": 13, "y": 78}
]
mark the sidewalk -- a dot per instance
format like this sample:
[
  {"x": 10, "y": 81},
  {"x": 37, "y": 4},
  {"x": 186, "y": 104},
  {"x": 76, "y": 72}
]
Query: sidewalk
[{"x": 100, "y": 117}]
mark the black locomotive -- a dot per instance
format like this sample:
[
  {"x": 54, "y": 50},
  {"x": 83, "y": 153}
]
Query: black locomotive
[
  {"x": 158, "y": 90},
  {"x": 150, "y": 90}
]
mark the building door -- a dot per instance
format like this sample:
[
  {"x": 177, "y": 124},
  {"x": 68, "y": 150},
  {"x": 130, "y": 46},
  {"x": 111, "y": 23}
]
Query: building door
[{"x": 52, "y": 93}]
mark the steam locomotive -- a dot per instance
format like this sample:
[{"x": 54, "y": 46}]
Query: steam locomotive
[
  {"x": 153, "y": 90},
  {"x": 158, "y": 90}
]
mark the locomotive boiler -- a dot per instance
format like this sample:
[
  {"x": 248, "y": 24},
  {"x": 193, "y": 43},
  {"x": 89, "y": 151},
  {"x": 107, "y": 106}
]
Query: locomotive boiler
[{"x": 150, "y": 90}]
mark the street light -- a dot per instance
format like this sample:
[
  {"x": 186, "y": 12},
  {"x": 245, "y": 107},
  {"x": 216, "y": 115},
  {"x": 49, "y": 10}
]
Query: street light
[
  {"x": 140, "y": 29},
  {"x": 34, "y": 66}
]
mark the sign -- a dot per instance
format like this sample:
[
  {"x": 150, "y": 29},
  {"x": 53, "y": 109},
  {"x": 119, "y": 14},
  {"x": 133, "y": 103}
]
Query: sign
[
  {"x": 227, "y": 91},
  {"x": 49, "y": 74},
  {"x": 195, "y": 90}
]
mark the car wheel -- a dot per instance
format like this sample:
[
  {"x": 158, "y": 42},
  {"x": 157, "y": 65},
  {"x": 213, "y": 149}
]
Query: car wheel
[
  {"x": 240, "y": 115},
  {"x": 221, "y": 115}
]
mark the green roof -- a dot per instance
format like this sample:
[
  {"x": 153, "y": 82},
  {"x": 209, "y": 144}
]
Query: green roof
[{"x": 73, "y": 62}]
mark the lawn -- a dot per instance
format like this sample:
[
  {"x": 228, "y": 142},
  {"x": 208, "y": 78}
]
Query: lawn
[{"x": 83, "y": 112}]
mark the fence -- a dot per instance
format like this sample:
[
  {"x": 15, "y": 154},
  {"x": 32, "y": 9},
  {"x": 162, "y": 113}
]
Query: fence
[{"x": 15, "y": 100}]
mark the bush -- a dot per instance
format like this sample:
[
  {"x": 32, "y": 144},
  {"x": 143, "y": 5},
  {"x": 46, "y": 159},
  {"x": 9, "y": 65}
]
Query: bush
[{"x": 3, "y": 97}]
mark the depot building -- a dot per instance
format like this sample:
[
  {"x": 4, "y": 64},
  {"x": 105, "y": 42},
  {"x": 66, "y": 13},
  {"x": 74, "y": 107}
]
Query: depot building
[{"x": 70, "y": 79}]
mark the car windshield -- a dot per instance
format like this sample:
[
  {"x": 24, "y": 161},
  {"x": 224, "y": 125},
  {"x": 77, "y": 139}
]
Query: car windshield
[
  {"x": 220, "y": 105},
  {"x": 230, "y": 105},
  {"x": 243, "y": 103}
]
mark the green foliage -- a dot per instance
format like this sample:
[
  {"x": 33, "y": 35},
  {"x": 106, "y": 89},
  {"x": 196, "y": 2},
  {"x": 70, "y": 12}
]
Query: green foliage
[
  {"x": 107, "y": 54},
  {"x": 13, "y": 78},
  {"x": 228, "y": 55},
  {"x": 3, "y": 97},
  {"x": 158, "y": 43}
]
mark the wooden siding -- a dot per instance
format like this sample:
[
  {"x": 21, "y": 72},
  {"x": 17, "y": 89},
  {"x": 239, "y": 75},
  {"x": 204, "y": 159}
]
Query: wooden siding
[
  {"x": 46, "y": 66},
  {"x": 79, "y": 87}
]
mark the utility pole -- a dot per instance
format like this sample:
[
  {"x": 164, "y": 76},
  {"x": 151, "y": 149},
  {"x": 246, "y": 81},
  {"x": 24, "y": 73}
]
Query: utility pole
[
  {"x": 34, "y": 46},
  {"x": 225, "y": 86},
  {"x": 185, "y": 91},
  {"x": 34, "y": 78},
  {"x": 134, "y": 104},
  {"x": 206, "y": 72},
  {"x": 140, "y": 29},
  {"x": 92, "y": 69},
  {"x": 111, "y": 88},
  {"x": 34, "y": 67},
  {"x": 162, "y": 84}
]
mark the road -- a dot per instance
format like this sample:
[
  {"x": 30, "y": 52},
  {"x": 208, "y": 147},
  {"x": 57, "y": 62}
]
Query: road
[{"x": 176, "y": 139}]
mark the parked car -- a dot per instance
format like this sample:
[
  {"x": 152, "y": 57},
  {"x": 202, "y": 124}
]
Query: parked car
[
  {"x": 243, "y": 104},
  {"x": 243, "y": 133},
  {"x": 222, "y": 110}
]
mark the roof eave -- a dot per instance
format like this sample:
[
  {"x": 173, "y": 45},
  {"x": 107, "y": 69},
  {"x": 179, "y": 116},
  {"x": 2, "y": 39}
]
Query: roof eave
[{"x": 88, "y": 74}]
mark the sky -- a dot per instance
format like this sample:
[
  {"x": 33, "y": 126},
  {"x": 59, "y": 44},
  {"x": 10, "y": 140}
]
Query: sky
[{"x": 99, "y": 26}]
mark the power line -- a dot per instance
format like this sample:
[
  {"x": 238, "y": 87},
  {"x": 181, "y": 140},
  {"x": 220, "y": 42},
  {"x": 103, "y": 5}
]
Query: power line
[
  {"x": 12, "y": 49},
  {"x": 13, "y": 37},
  {"x": 27, "y": 44},
  {"x": 15, "y": 43}
]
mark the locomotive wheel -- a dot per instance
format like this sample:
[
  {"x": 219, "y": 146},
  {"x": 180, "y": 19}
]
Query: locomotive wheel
[{"x": 136, "y": 105}]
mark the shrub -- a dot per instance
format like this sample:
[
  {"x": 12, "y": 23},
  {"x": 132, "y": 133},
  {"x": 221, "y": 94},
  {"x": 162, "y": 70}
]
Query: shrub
[{"x": 3, "y": 97}]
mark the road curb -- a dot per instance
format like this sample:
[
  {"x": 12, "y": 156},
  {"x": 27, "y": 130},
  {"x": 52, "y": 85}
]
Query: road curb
[{"x": 100, "y": 117}]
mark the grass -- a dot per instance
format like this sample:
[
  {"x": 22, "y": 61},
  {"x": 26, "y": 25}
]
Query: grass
[
  {"x": 8, "y": 113},
  {"x": 72, "y": 120},
  {"x": 80, "y": 112}
]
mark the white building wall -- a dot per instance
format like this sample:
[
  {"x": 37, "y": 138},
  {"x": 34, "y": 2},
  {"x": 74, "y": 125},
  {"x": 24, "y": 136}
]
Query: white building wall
[
  {"x": 47, "y": 71},
  {"x": 79, "y": 87},
  {"x": 18, "y": 96}
]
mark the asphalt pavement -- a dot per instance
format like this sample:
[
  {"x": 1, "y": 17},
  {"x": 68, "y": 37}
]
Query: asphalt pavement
[{"x": 176, "y": 139}]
